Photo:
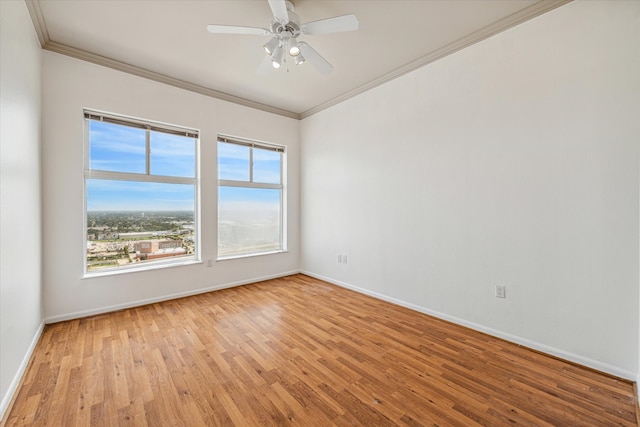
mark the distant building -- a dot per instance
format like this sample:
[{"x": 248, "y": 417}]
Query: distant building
[{"x": 152, "y": 249}]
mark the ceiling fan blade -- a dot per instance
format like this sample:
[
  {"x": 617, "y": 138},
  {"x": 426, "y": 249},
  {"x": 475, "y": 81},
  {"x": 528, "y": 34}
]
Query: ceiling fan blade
[
  {"x": 232, "y": 29},
  {"x": 314, "y": 57},
  {"x": 279, "y": 9},
  {"x": 338, "y": 24}
]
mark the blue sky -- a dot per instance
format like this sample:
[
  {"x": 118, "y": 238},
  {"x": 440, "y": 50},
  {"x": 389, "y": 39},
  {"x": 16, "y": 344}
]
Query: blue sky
[
  {"x": 107, "y": 195},
  {"x": 233, "y": 164},
  {"x": 119, "y": 148}
]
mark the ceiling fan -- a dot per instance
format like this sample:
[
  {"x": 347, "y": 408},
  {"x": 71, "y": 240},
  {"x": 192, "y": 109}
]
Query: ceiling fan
[{"x": 285, "y": 28}]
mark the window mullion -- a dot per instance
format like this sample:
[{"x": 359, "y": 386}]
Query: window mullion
[
  {"x": 247, "y": 184},
  {"x": 148, "y": 151},
  {"x": 138, "y": 177},
  {"x": 251, "y": 164}
]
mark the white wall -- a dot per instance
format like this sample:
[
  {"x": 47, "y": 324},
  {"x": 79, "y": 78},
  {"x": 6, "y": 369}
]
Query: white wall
[
  {"x": 513, "y": 162},
  {"x": 21, "y": 317},
  {"x": 69, "y": 85}
]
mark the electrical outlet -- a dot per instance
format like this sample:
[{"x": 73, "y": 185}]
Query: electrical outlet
[
  {"x": 209, "y": 263},
  {"x": 501, "y": 291},
  {"x": 345, "y": 258},
  {"x": 339, "y": 258}
]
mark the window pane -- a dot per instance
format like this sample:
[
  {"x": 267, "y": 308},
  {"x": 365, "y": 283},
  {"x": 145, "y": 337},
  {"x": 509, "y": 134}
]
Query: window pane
[
  {"x": 233, "y": 162},
  {"x": 116, "y": 148},
  {"x": 248, "y": 220},
  {"x": 266, "y": 166},
  {"x": 132, "y": 223},
  {"x": 173, "y": 155}
]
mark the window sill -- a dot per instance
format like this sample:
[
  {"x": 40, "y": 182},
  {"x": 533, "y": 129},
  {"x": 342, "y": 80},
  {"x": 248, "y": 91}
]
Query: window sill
[{"x": 142, "y": 268}]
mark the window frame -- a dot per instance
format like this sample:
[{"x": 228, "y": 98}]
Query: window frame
[
  {"x": 282, "y": 221},
  {"x": 89, "y": 173}
]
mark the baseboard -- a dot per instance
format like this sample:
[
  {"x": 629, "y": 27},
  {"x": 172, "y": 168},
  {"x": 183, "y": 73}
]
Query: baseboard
[
  {"x": 138, "y": 303},
  {"x": 543, "y": 348},
  {"x": 7, "y": 399}
]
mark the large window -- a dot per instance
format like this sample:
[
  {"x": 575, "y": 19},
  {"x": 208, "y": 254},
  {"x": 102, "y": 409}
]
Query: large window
[
  {"x": 250, "y": 198},
  {"x": 141, "y": 188}
]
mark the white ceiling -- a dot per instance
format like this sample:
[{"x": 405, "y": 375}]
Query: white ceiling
[{"x": 167, "y": 40}]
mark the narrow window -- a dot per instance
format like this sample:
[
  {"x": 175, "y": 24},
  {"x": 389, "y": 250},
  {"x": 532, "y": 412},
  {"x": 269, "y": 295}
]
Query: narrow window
[
  {"x": 250, "y": 198},
  {"x": 141, "y": 188}
]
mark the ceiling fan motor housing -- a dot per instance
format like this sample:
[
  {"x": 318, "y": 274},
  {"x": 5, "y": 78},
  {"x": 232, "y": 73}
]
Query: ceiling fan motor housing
[{"x": 292, "y": 27}]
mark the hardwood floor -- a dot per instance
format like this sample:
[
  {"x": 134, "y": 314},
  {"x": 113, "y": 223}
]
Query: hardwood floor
[{"x": 300, "y": 351}]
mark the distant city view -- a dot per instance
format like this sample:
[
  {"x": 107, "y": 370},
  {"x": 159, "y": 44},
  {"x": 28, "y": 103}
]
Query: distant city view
[
  {"x": 120, "y": 238},
  {"x": 125, "y": 238},
  {"x": 250, "y": 227}
]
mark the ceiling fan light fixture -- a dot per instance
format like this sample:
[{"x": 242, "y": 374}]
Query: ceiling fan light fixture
[
  {"x": 271, "y": 45},
  {"x": 278, "y": 57},
  {"x": 299, "y": 59},
  {"x": 292, "y": 46}
]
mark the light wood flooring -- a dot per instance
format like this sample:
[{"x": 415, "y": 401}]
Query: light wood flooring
[{"x": 299, "y": 351}]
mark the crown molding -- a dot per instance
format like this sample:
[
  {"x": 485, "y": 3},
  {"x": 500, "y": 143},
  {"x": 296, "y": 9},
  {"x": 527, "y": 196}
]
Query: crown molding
[
  {"x": 33, "y": 6},
  {"x": 536, "y": 9},
  {"x": 39, "y": 24},
  {"x": 171, "y": 81}
]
